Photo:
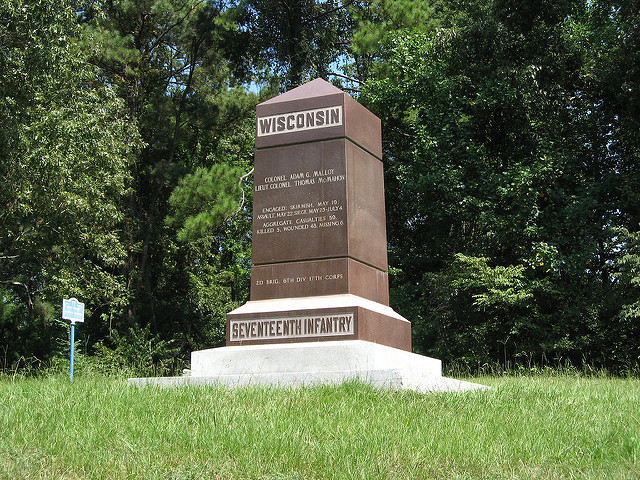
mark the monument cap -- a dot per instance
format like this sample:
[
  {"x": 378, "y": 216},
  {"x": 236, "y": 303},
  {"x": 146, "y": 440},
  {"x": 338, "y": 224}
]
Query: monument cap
[{"x": 316, "y": 111}]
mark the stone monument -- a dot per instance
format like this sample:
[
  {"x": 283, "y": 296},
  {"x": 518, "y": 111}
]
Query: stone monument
[
  {"x": 319, "y": 301},
  {"x": 319, "y": 233}
]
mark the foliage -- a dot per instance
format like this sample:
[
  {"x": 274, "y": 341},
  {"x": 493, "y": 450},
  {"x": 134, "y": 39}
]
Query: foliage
[
  {"x": 476, "y": 310},
  {"x": 502, "y": 145},
  {"x": 627, "y": 320},
  {"x": 204, "y": 199},
  {"x": 136, "y": 353},
  {"x": 171, "y": 62},
  {"x": 296, "y": 40},
  {"x": 65, "y": 149},
  {"x": 371, "y": 23}
]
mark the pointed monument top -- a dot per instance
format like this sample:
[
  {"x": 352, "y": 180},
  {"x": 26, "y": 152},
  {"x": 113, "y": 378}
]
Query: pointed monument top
[
  {"x": 314, "y": 88},
  {"x": 314, "y": 111}
]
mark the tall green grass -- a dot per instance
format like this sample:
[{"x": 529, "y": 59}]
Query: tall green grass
[{"x": 524, "y": 428}]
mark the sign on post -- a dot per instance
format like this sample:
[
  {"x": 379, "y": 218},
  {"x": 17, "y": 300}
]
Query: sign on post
[{"x": 72, "y": 310}]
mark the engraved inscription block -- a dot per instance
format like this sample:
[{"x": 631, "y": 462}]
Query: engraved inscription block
[
  {"x": 319, "y": 277},
  {"x": 300, "y": 121},
  {"x": 300, "y": 195},
  {"x": 294, "y": 327}
]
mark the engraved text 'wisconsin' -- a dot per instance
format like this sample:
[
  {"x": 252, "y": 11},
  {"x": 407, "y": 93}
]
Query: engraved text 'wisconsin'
[{"x": 299, "y": 121}]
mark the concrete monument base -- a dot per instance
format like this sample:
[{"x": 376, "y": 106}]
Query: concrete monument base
[{"x": 328, "y": 362}]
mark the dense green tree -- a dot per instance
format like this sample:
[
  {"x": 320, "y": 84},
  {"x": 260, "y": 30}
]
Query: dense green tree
[
  {"x": 174, "y": 64},
  {"x": 372, "y": 21},
  {"x": 625, "y": 346},
  {"x": 64, "y": 147},
  {"x": 294, "y": 41},
  {"x": 211, "y": 214},
  {"x": 501, "y": 145}
]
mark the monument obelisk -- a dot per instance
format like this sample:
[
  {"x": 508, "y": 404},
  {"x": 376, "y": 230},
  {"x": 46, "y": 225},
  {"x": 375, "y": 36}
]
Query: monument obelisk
[
  {"x": 319, "y": 236},
  {"x": 319, "y": 302}
]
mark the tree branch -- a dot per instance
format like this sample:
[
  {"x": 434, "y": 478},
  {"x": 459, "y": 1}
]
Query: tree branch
[
  {"x": 242, "y": 178},
  {"x": 346, "y": 77},
  {"x": 20, "y": 284},
  {"x": 178, "y": 22},
  {"x": 329, "y": 12}
]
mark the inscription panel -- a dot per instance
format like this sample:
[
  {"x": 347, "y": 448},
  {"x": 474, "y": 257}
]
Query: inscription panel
[
  {"x": 300, "y": 121},
  {"x": 299, "y": 279},
  {"x": 330, "y": 276},
  {"x": 300, "y": 209},
  {"x": 330, "y": 325}
]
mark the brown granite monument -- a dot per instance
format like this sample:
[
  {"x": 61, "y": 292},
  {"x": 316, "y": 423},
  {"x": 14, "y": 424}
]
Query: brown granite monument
[
  {"x": 319, "y": 236},
  {"x": 319, "y": 309}
]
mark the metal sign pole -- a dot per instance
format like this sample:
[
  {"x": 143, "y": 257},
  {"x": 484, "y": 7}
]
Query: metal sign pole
[
  {"x": 71, "y": 348},
  {"x": 72, "y": 310}
]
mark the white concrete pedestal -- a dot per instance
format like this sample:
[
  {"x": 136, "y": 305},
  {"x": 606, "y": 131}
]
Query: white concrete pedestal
[{"x": 332, "y": 362}]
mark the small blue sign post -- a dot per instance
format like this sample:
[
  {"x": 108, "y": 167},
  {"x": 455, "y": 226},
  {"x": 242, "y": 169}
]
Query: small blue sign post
[{"x": 72, "y": 310}]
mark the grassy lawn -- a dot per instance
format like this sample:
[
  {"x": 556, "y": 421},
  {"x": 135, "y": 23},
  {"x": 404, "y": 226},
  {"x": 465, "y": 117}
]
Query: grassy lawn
[{"x": 549, "y": 427}]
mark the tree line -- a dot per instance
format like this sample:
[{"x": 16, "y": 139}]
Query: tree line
[{"x": 511, "y": 154}]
